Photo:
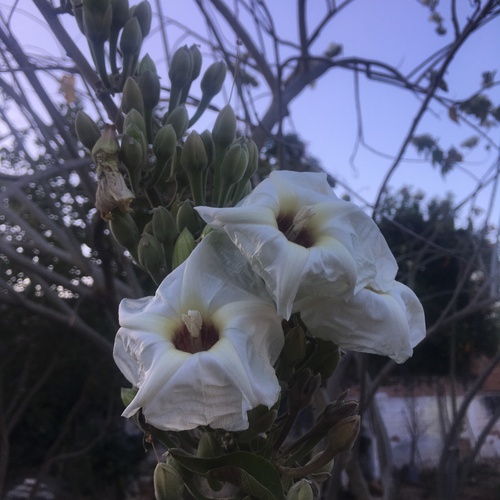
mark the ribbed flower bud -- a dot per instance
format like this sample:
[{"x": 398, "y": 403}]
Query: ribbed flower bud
[
  {"x": 164, "y": 226},
  {"x": 134, "y": 121},
  {"x": 120, "y": 14},
  {"x": 208, "y": 447},
  {"x": 234, "y": 164},
  {"x": 97, "y": 18},
  {"x": 179, "y": 119},
  {"x": 168, "y": 484},
  {"x": 252, "y": 166},
  {"x": 132, "y": 97},
  {"x": 164, "y": 144},
  {"x": 208, "y": 142},
  {"x": 149, "y": 82},
  {"x": 194, "y": 157},
  {"x": 213, "y": 79},
  {"x": 142, "y": 11},
  {"x": 187, "y": 217},
  {"x": 224, "y": 130},
  {"x": 181, "y": 67},
  {"x": 253, "y": 159},
  {"x": 131, "y": 39},
  {"x": 342, "y": 436},
  {"x": 125, "y": 231},
  {"x": 133, "y": 157},
  {"x": 152, "y": 256},
  {"x": 87, "y": 131},
  {"x": 197, "y": 61},
  {"x": 184, "y": 245}
]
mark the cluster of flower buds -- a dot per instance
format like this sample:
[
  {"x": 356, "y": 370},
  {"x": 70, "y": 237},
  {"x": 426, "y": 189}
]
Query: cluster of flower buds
[{"x": 112, "y": 22}]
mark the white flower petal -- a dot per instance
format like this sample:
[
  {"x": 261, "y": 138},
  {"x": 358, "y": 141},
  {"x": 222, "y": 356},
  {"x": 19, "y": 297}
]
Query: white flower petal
[{"x": 389, "y": 324}]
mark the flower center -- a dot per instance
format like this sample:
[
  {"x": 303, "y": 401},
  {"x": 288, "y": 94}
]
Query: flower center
[
  {"x": 195, "y": 335},
  {"x": 296, "y": 228}
]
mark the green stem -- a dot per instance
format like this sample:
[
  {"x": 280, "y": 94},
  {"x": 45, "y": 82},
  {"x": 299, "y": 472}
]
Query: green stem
[
  {"x": 113, "y": 43},
  {"x": 196, "y": 182},
  {"x": 97, "y": 50}
]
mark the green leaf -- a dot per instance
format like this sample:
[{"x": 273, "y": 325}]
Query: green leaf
[{"x": 251, "y": 473}]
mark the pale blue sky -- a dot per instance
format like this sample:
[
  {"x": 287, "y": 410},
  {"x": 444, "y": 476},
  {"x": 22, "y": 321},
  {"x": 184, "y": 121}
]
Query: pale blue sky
[{"x": 395, "y": 31}]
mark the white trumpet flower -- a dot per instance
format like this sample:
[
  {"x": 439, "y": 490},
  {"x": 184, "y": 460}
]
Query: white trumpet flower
[
  {"x": 304, "y": 241},
  {"x": 201, "y": 351}
]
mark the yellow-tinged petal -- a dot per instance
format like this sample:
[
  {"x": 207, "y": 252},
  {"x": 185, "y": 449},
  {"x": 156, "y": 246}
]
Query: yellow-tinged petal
[{"x": 180, "y": 390}]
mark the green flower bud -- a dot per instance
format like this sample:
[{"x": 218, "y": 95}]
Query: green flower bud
[
  {"x": 87, "y": 131},
  {"x": 342, "y": 436},
  {"x": 181, "y": 67},
  {"x": 164, "y": 148},
  {"x": 125, "y": 231},
  {"x": 147, "y": 64},
  {"x": 168, "y": 483},
  {"x": 208, "y": 142},
  {"x": 197, "y": 61},
  {"x": 322, "y": 473},
  {"x": 142, "y": 11},
  {"x": 253, "y": 159},
  {"x": 135, "y": 121},
  {"x": 179, "y": 119},
  {"x": 148, "y": 228},
  {"x": 132, "y": 153},
  {"x": 213, "y": 79},
  {"x": 132, "y": 97},
  {"x": 152, "y": 256},
  {"x": 149, "y": 83},
  {"x": 164, "y": 226},
  {"x": 165, "y": 143},
  {"x": 208, "y": 447},
  {"x": 194, "y": 157},
  {"x": 120, "y": 14},
  {"x": 184, "y": 245},
  {"x": 253, "y": 163},
  {"x": 97, "y": 16},
  {"x": 234, "y": 164},
  {"x": 119, "y": 19},
  {"x": 133, "y": 157},
  {"x": 301, "y": 490},
  {"x": 187, "y": 217},
  {"x": 131, "y": 39},
  {"x": 224, "y": 130}
]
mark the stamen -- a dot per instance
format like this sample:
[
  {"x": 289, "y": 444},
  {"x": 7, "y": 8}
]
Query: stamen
[
  {"x": 297, "y": 231},
  {"x": 193, "y": 322},
  {"x": 195, "y": 335}
]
